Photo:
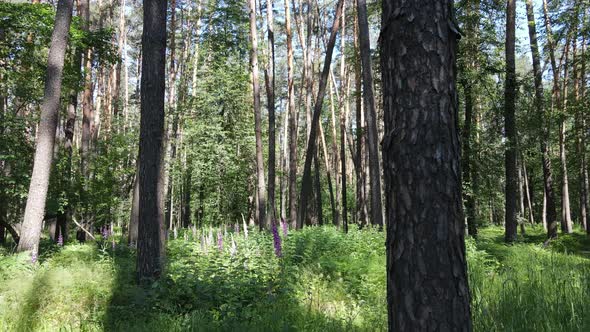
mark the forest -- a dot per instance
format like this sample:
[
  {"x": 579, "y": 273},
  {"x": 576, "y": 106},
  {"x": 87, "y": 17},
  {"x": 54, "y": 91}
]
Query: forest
[{"x": 303, "y": 165}]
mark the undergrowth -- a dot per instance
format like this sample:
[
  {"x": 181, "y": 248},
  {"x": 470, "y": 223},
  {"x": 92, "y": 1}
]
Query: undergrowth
[{"x": 324, "y": 281}]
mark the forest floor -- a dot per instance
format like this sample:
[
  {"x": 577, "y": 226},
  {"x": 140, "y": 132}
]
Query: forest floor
[{"x": 324, "y": 281}]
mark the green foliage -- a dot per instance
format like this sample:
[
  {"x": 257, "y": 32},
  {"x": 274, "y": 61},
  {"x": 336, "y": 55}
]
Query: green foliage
[{"x": 325, "y": 281}]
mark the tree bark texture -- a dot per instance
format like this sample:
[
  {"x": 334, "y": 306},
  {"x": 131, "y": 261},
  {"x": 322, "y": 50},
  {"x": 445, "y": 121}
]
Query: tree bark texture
[
  {"x": 150, "y": 241},
  {"x": 35, "y": 208},
  {"x": 421, "y": 161}
]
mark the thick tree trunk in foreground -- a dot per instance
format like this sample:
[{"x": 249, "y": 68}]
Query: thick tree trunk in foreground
[
  {"x": 372, "y": 134},
  {"x": 311, "y": 142},
  {"x": 511, "y": 190},
  {"x": 549, "y": 211},
  {"x": 150, "y": 241},
  {"x": 260, "y": 182},
  {"x": 421, "y": 159},
  {"x": 35, "y": 208}
]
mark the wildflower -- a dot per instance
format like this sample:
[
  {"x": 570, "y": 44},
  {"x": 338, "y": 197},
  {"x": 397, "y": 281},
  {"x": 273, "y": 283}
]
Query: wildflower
[
  {"x": 277, "y": 239},
  {"x": 34, "y": 256},
  {"x": 175, "y": 233},
  {"x": 105, "y": 232},
  {"x": 185, "y": 236},
  {"x": 60, "y": 240},
  {"x": 234, "y": 249},
  {"x": 194, "y": 232},
  {"x": 285, "y": 227},
  {"x": 237, "y": 228},
  {"x": 219, "y": 241},
  {"x": 203, "y": 243},
  {"x": 113, "y": 245},
  {"x": 245, "y": 228}
]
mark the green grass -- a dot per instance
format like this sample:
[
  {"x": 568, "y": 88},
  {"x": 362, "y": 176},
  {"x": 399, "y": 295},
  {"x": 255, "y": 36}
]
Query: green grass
[{"x": 325, "y": 281}]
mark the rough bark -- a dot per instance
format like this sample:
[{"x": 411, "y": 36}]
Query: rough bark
[
  {"x": 150, "y": 241},
  {"x": 510, "y": 152},
  {"x": 372, "y": 134},
  {"x": 260, "y": 182},
  {"x": 35, "y": 208},
  {"x": 311, "y": 142},
  {"x": 549, "y": 207},
  {"x": 421, "y": 158}
]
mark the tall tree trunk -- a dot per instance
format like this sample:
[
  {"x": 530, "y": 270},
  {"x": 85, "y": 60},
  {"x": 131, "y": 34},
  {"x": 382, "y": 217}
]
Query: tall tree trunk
[
  {"x": 150, "y": 242},
  {"x": 293, "y": 119},
  {"x": 270, "y": 93},
  {"x": 260, "y": 186},
  {"x": 35, "y": 208},
  {"x": 511, "y": 191},
  {"x": 311, "y": 143},
  {"x": 360, "y": 137},
  {"x": 471, "y": 48},
  {"x": 566, "y": 218},
  {"x": 421, "y": 158},
  {"x": 372, "y": 134},
  {"x": 549, "y": 207},
  {"x": 88, "y": 124}
]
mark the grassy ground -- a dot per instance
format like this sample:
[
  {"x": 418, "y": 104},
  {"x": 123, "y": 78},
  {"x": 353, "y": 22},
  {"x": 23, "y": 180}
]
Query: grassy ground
[{"x": 324, "y": 281}]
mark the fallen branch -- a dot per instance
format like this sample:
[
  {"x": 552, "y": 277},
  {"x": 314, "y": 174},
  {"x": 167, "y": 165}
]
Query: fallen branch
[
  {"x": 11, "y": 230},
  {"x": 84, "y": 229}
]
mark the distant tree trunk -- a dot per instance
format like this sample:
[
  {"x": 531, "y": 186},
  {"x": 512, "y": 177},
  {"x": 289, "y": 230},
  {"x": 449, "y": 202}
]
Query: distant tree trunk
[
  {"x": 528, "y": 192},
  {"x": 329, "y": 176},
  {"x": 511, "y": 191},
  {"x": 372, "y": 134},
  {"x": 311, "y": 142},
  {"x": 343, "y": 105},
  {"x": 134, "y": 217},
  {"x": 549, "y": 208},
  {"x": 88, "y": 125},
  {"x": 360, "y": 138},
  {"x": 186, "y": 199},
  {"x": 318, "y": 190},
  {"x": 270, "y": 93},
  {"x": 292, "y": 121},
  {"x": 566, "y": 218},
  {"x": 583, "y": 136},
  {"x": 150, "y": 244},
  {"x": 35, "y": 208},
  {"x": 421, "y": 158},
  {"x": 260, "y": 182},
  {"x": 471, "y": 48}
]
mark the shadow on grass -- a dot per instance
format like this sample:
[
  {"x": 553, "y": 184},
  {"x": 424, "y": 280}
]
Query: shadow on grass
[{"x": 231, "y": 301}]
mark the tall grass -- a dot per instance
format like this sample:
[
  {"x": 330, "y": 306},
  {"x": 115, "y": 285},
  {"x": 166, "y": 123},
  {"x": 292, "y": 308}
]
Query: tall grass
[{"x": 324, "y": 281}]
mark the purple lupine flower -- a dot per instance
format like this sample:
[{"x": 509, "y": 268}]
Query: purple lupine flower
[
  {"x": 277, "y": 240},
  {"x": 219, "y": 241},
  {"x": 113, "y": 245},
  {"x": 105, "y": 232},
  {"x": 285, "y": 227},
  {"x": 60, "y": 240},
  {"x": 34, "y": 256}
]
